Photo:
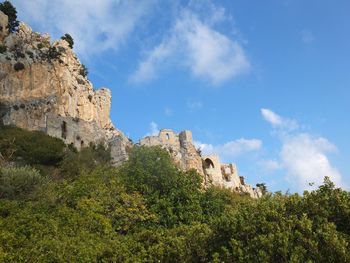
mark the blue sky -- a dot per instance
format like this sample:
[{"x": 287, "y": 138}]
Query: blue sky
[{"x": 264, "y": 84}]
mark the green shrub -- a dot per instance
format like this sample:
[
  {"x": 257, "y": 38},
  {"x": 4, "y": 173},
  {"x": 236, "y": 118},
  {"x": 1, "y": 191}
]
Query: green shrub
[
  {"x": 53, "y": 53},
  {"x": 69, "y": 39},
  {"x": 87, "y": 159},
  {"x": 83, "y": 71},
  {"x": 19, "y": 66},
  {"x": 19, "y": 182},
  {"x": 31, "y": 147},
  {"x": 3, "y": 49},
  {"x": 171, "y": 193}
]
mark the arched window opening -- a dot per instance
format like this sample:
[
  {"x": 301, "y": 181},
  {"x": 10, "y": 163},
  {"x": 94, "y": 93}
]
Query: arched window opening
[
  {"x": 208, "y": 163},
  {"x": 167, "y": 136}
]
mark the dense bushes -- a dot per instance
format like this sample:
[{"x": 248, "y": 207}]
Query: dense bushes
[
  {"x": 86, "y": 160},
  {"x": 18, "y": 182},
  {"x": 149, "y": 211},
  {"x": 170, "y": 193},
  {"x": 31, "y": 147}
]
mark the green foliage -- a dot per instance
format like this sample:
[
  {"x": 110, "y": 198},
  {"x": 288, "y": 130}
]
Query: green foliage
[
  {"x": 262, "y": 187},
  {"x": 67, "y": 37},
  {"x": 18, "y": 66},
  {"x": 31, "y": 147},
  {"x": 149, "y": 211},
  {"x": 84, "y": 71},
  {"x": 18, "y": 182},
  {"x": 173, "y": 194},
  {"x": 329, "y": 203},
  {"x": 40, "y": 45},
  {"x": 8, "y": 9},
  {"x": 53, "y": 53},
  {"x": 3, "y": 49},
  {"x": 269, "y": 230},
  {"x": 87, "y": 159}
]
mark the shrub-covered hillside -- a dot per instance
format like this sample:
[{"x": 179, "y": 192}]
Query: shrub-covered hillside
[{"x": 60, "y": 205}]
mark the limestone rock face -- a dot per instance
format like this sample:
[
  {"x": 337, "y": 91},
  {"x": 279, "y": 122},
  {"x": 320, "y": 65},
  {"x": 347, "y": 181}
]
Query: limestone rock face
[
  {"x": 42, "y": 87},
  {"x": 3, "y": 26},
  {"x": 186, "y": 157}
]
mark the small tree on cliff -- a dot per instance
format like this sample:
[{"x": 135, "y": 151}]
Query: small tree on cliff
[
  {"x": 8, "y": 9},
  {"x": 69, "y": 39}
]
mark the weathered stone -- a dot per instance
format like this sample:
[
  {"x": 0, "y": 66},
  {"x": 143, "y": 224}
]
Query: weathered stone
[
  {"x": 3, "y": 26},
  {"x": 186, "y": 157}
]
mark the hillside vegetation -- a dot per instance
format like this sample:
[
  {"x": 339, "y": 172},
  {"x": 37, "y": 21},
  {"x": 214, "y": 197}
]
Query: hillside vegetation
[{"x": 60, "y": 205}]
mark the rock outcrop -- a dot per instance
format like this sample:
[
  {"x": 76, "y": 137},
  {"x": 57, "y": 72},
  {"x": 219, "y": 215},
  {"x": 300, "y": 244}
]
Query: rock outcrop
[
  {"x": 3, "y": 26},
  {"x": 186, "y": 157},
  {"x": 43, "y": 87}
]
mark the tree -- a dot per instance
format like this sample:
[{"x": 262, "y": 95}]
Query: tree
[
  {"x": 8, "y": 9},
  {"x": 262, "y": 187},
  {"x": 172, "y": 194},
  {"x": 84, "y": 71},
  {"x": 67, "y": 37},
  {"x": 18, "y": 182}
]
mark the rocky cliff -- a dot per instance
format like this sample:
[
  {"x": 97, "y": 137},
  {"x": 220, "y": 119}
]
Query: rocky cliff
[{"x": 43, "y": 87}]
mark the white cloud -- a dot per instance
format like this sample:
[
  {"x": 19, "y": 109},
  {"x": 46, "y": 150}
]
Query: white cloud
[
  {"x": 231, "y": 149},
  {"x": 277, "y": 121},
  {"x": 271, "y": 117},
  {"x": 302, "y": 155},
  {"x": 95, "y": 25},
  {"x": 270, "y": 165},
  {"x": 195, "y": 45},
  {"x": 193, "y": 105},
  {"x": 147, "y": 69},
  {"x": 153, "y": 129},
  {"x": 306, "y": 161}
]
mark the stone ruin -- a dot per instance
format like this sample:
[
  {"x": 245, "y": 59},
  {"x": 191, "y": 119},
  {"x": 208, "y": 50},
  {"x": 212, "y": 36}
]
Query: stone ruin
[
  {"x": 186, "y": 157},
  {"x": 42, "y": 87}
]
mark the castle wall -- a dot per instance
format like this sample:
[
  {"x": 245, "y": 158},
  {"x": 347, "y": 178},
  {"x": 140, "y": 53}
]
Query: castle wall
[
  {"x": 186, "y": 156},
  {"x": 180, "y": 147},
  {"x": 212, "y": 169}
]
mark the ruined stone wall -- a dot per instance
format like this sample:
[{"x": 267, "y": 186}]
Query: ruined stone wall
[
  {"x": 186, "y": 157},
  {"x": 47, "y": 92},
  {"x": 180, "y": 147}
]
